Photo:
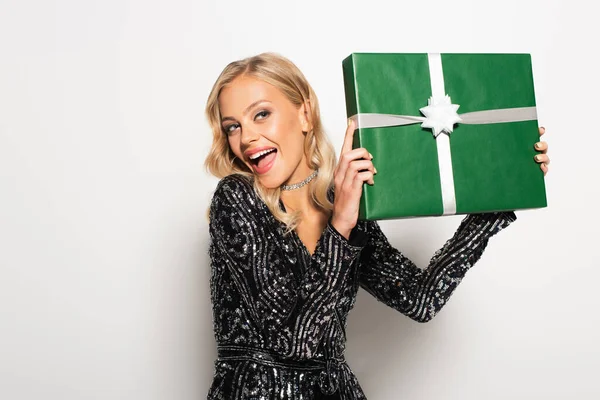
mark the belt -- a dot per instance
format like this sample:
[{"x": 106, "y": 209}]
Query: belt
[{"x": 330, "y": 367}]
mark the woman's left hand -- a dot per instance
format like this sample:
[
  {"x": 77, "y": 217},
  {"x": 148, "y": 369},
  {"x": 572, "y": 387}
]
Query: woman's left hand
[{"x": 542, "y": 158}]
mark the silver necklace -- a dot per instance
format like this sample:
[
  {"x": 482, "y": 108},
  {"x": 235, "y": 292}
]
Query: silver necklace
[{"x": 300, "y": 184}]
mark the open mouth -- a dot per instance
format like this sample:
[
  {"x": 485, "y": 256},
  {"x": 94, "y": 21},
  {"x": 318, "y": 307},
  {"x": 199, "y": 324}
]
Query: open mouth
[{"x": 263, "y": 160}]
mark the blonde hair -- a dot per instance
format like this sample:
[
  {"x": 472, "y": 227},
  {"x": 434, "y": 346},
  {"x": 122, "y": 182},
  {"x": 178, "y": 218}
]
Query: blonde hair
[{"x": 283, "y": 74}]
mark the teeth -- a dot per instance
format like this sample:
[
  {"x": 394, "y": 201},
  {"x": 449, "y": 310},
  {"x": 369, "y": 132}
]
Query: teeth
[{"x": 260, "y": 153}]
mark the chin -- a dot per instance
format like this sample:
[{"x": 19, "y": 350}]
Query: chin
[{"x": 269, "y": 182}]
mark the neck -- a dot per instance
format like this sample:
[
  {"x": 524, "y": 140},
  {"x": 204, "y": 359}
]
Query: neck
[{"x": 299, "y": 199}]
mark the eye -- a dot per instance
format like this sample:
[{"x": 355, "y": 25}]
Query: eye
[
  {"x": 262, "y": 114},
  {"x": 229, "y": 129}
]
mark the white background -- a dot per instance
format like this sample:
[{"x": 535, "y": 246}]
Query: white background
[{"x": 103, "y": 234}]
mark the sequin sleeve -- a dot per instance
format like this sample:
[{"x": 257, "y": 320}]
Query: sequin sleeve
[
  {"x": 291, "y": 312},
  {"x": 420, "y": 293}
]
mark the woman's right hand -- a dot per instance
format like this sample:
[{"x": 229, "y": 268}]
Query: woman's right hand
[{"x": 353, "y": 170}]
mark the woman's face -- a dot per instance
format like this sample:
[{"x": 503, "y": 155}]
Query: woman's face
[{"x": 265, "y": 130}]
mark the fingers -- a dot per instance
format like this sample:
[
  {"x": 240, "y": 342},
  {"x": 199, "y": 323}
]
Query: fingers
[
  {"x": 354, "y": 169},
  {"x": 541, "y": 147},
  {"x": 544, "y": 167},
  {"x": 349, "y": 137},
  {"x": 347, "y": 158},
  {"x": 355, "y": 174},
  {"x": 542, "y": 158},
  {"x": 362, "y": 177},
  {"x": 354, "y": 182}
]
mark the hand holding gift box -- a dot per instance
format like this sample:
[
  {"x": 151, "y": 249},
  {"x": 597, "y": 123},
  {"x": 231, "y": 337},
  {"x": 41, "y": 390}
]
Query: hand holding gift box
[{"x": 450, "y": 133}]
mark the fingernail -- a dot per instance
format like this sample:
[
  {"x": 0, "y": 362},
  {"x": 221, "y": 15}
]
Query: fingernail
[
  {"x": 375, "y": 169},
  {"x": 371, "y": 155},
  {"x": 538, "y": 145},
  {"x": 349, "y": 121},
  {"x": 538, "y": 158}
]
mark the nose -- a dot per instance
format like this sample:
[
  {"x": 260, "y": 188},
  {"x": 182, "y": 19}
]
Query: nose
[{"x": 249, "y": 134}]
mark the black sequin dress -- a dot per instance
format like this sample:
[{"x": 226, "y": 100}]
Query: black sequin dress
[{"x": 280, "y": 313}]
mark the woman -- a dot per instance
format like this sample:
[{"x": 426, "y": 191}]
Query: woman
[{"x": 288, "y": 256}]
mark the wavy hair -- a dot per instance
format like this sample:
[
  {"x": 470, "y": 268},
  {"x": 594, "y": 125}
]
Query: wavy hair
[{"x": 280, "y": 72}]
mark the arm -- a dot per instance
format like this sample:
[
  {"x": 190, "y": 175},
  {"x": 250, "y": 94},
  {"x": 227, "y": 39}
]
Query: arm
[
  {"x": 396, "y": 281},
  {"x": 292, "y": 317}
]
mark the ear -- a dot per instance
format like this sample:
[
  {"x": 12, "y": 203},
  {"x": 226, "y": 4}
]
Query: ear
[{"x": 305, "y": 116}]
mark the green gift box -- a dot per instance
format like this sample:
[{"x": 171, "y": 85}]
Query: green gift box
[{"x": 449, "y": 133}]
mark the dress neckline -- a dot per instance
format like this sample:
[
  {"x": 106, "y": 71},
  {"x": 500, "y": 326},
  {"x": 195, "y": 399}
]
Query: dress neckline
[{"x": 293, "y": 232}]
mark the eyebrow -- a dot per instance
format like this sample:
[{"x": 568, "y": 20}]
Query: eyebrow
[{"x": 257, "y": 102}]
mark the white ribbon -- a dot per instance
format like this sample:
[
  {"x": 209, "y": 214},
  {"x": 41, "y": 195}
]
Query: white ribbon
[
  {"x": 436, "y": 75},
  {"x": 440, "y": 116}
]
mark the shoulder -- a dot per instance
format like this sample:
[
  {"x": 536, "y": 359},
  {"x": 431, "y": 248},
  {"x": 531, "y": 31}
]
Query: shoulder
[
  {"x": 234, "y": 190},
  {"x": 237, "y": 183},
  {"x": 235, "y": 215}
]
